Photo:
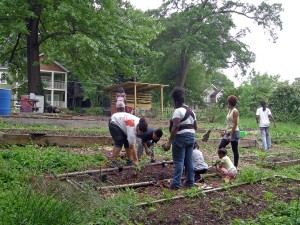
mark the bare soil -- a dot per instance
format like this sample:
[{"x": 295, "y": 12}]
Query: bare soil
[{"x": 244, "y": 202}]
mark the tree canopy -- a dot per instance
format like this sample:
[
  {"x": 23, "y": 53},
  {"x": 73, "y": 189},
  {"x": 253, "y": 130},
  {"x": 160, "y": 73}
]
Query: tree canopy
[
  {"x": 93, "y": 38},
  {"x": 204, "y": 29}
]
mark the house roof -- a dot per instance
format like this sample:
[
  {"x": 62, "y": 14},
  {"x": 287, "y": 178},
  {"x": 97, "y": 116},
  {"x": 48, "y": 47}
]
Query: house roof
[
  {"x": 54, "y": 66},
  {"x": 130, "y": 86},
  {"x": 215, "y": 93}
]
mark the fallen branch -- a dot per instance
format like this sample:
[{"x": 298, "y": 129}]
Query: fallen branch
[
  {"x": 72, "y": 174},
  {"x": 212, "y": 190}
]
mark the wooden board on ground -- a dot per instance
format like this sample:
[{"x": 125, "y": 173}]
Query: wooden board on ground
[{"x": 78, "y": 141}]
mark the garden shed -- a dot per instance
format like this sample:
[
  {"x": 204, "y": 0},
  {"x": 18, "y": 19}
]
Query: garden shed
[{"x": 138, "y": 95}]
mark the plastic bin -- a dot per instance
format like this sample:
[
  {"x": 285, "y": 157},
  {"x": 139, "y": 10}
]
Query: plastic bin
[
  {"x": 242, "y": 133},
  {"x": 5, "y": 95}
]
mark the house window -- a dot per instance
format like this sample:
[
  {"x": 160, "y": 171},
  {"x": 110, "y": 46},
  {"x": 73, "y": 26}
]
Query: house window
[
  {"x": 46, "y": 79},
  {"x": 3, "y": 78}
]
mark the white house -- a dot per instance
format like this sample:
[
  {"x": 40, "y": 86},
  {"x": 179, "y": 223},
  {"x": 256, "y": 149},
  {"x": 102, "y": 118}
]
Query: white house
[
  {"x": 212, "y": 94},
  {"x": 54, "y": 77}
]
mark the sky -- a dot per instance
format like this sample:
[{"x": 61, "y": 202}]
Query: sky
[{"x": 271, "y": 58}]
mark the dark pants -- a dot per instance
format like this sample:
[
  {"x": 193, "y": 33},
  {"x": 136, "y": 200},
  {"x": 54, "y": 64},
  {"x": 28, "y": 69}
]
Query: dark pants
[
  {"x": 119, "y": 137},
  {"x": 234, "y": 146},
  {"x": 199, "y": 172}
]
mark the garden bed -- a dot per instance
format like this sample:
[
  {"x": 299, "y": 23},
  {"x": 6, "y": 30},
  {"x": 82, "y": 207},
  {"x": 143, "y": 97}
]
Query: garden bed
[{"x": 243, "y": 202}]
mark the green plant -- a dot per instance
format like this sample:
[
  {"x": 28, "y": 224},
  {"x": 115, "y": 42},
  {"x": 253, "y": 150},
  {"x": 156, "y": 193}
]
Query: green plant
[
  {"x": 117, "y": 210},
  {"x": 269, "y": 196},
  {"x": 194, "y": 192},
  {"x": 94, "y": 111},
  {"x": 252, "y": 173},
  {"x": 168, "y": 194},
  {"x": 25, "y": 206},
  {"x": 219, "y": 207}
]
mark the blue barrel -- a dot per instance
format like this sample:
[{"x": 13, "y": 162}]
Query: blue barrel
[{"x": 5, "y": 96}]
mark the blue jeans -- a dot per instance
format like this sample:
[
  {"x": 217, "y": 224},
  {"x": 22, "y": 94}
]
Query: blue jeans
[
  {"x": 265, "y": 137},
  {"x": 182, "y": 152}
]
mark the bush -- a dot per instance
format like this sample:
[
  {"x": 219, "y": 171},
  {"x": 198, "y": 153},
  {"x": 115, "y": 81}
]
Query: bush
[{"x": 94, "y": 111}]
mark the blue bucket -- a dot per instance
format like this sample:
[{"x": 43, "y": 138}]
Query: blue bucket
[{"x": 5, "y": 96}]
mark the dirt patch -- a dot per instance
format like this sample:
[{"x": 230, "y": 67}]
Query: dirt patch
[{"x": 221, "y": 207}]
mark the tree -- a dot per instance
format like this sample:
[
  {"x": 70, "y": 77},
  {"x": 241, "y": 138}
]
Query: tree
[
  {"x": 94, "y": 38},
  {"x": 284, "y": 103},
  {"x": 203, "y": 29},
  {"x": 221, "y": 81}
]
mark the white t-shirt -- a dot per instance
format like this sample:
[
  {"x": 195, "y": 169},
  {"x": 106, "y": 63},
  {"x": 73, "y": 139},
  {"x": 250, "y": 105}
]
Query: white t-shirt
[
  {"x": 127, "y": 122},
  {"x": 180, "y": 113},
  {"x": 263, "y": 117},
  {"x": 198, "y": 160}
]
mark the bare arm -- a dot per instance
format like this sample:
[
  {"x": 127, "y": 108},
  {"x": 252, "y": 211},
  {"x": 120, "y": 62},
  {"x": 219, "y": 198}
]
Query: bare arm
[
  {"x": 175, "y": 127},
  {"x": 145, "y": 147},
  {"x": 273, "y": 120},
  {"x": 257, "y": 119},
  {"x": 195, "y": 125}
]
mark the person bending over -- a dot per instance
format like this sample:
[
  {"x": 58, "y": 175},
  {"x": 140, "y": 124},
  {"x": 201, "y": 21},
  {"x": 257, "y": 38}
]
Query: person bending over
[{"x": 147, "y": 140}]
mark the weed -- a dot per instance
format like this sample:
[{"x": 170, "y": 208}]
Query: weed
[
  {"x": 219, "y": 207},
  {"x": 252, "y": 173},
  {"x": 25, "y": 206},
  {"x": 117, "y": 210},
  {"x": 168, "y": 194},
  {"x": 194, "y": 192},
  {"x": 269, "y": 196}
]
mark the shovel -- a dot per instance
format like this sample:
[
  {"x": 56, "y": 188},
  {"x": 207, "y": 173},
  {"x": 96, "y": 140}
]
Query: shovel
[{"x": 206, "y": 136}]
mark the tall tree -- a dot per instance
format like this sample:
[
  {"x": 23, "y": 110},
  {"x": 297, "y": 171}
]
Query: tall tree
[
  {"x": 284, "y": 103},
  {"x": 95, "y": 38},
  {"x": 203, "y": 29}
]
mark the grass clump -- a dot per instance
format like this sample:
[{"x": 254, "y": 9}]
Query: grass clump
[{"x": 25, "y": 206}]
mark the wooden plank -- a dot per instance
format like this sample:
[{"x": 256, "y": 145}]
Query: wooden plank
[
  {"x": 243, "y": 143},
  {"x": 288, "y": 163},
  {"x": 73, "y": 141}
]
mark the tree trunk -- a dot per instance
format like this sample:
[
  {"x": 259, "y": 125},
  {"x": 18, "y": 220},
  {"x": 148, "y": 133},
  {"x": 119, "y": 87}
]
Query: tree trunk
[
  {"x": 184, "y": 65},
  {"x": 33, "y": 65}
]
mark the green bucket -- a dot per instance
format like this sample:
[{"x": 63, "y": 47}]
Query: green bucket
[{"x": 242, "y": 133}]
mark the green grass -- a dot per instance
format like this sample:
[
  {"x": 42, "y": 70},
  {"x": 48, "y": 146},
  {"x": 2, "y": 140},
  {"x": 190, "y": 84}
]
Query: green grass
[
  {"x": 20, "y": 166},
  {"x": 26, "y": 206}
]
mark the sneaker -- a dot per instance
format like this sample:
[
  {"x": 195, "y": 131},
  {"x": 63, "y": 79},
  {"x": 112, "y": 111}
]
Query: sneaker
[
  {"x": 129, "y": 163},
  {"x": 114, "y": 164}
]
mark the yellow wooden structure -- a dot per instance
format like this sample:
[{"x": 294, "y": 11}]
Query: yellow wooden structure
[{"x": 138, "y": 95}]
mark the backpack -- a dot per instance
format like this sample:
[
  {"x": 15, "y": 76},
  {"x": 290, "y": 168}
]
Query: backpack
[{"x": 188, "y": 113}]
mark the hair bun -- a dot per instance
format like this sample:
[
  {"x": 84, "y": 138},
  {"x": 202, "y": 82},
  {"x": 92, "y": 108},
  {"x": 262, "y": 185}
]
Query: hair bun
[{"x": 142, "y": 120}]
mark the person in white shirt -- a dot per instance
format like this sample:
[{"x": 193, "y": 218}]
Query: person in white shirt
[
  {"x": 262, "y": 118},
  {"x": 182, "y": 138},
  {"x": 200, "y": 166},
  {"x": 124, "y": 129}
]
